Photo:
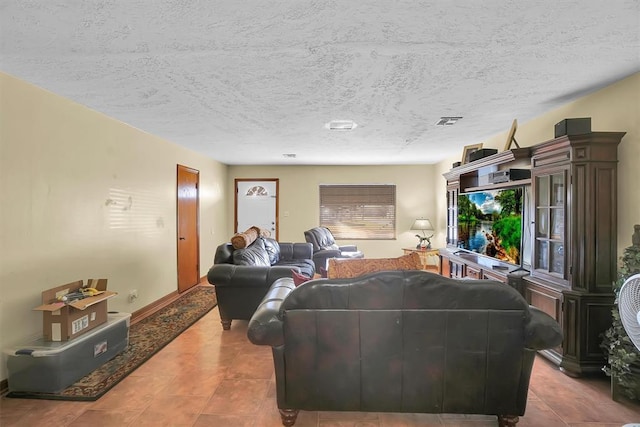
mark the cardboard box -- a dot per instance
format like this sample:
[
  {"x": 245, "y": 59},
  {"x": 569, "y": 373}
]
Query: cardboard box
[{"x": 65, "y": 320}]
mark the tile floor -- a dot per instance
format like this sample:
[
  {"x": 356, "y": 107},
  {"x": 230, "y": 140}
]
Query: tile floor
[{"x": 207, "y": 377}]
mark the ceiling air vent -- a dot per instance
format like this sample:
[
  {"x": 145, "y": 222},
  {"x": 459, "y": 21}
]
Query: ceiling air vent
[
  {"x": 447, "y": 121},
  {"x": 341, "y": 125}
]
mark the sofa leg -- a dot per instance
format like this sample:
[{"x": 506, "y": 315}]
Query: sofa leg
[
  {"x": 226, "y": 324},
  {"x": 507, "y": 420},
  {"x": 288, "y": 416}
]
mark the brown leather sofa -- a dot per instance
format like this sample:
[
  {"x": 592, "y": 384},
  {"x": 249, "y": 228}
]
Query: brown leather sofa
[{"x": 401, "y": 341}]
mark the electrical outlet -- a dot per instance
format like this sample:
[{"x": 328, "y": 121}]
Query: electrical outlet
[{"x": 133, "y": 295}]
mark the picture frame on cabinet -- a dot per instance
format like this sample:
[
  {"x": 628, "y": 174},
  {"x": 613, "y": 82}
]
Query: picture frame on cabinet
[
  {"x": 511, "y": 136},
  {"x": 468, "y": 149}
]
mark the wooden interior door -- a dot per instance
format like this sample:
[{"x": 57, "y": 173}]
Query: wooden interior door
[{"x": 188, "y": 242}]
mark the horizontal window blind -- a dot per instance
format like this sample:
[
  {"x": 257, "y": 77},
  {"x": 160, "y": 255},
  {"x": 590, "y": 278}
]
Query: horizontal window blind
[{"x": 359, "y": 211}]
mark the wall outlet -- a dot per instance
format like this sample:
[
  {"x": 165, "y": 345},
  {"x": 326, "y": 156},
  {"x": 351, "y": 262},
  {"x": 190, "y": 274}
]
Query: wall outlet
[{"x": 133, "y": 295}]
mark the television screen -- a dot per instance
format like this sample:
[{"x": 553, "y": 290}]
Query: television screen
[{"x": 490, "y": 223}]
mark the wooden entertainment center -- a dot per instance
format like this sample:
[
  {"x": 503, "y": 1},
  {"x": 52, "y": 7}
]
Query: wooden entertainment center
[{"x": 569, "y": 247}]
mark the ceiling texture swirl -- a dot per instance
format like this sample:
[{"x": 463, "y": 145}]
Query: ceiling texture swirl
[{"x": 256, "y": 82}]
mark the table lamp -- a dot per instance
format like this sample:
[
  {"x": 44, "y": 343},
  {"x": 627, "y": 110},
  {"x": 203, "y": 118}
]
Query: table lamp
[{"x": 424, "y": 242}]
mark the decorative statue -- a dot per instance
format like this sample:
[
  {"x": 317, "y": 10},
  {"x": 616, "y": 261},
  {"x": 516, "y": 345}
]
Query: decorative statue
[{"x": 424, "y": 243}]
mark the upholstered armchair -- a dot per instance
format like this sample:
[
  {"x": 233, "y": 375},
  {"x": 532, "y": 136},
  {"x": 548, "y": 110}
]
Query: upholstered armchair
[
  {"x": 401, "y": 341},
  {"x": 325, "y": 247}
]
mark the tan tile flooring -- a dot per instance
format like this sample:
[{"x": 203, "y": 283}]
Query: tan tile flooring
[{"x": 207, "y": 377}]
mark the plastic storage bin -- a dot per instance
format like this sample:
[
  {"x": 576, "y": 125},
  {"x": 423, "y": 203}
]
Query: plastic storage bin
[{"x": 50, "y": 367}]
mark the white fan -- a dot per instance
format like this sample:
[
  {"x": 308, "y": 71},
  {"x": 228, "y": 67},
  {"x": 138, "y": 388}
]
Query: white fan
[{"x": 629, "y": 308}]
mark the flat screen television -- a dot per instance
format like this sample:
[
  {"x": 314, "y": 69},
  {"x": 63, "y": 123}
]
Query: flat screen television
[{"x": 490, "y": 223}]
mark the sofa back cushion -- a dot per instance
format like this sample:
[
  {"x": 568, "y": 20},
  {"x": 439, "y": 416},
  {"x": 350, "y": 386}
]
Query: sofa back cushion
[
  {"x": 273, "y": 249},
  {"x": 405, "y": 290},
  {"x": 348, "y": 267},
  {"x": 321, "y": 239},
  {"x": 255, "y": 254},
  {"x": 224, "y": 254}
]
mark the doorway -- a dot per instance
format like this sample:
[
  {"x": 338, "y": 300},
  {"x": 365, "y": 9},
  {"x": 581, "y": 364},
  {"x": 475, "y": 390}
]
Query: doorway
[
  {"x": 188, "y": 226},
  {"x": 256, "y": 203}
]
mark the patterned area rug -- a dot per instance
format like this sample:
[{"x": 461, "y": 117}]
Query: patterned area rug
[{"x": 146, "y": 337}]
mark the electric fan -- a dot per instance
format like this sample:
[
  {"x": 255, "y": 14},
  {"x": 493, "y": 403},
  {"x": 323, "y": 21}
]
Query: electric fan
[{"x": 629, "y": 308}]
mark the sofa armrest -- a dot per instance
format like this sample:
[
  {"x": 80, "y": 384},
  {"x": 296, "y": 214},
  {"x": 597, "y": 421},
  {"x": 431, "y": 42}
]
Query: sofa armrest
[
  {"x": 542, "y": 331},
  {"x": 327, "y": 253},
  {"x": 349, "y": 248},
  {"x": 265, "y": 326},
  {"x": 246, "y": 275}
]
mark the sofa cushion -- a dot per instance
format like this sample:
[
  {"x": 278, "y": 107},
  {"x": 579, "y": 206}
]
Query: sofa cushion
[
  {"x": 304, "y": 266},
  {"x": 355, "y": 267},
  {"x": 255, "y": 254},
  {"x": 273, "y": 249}
]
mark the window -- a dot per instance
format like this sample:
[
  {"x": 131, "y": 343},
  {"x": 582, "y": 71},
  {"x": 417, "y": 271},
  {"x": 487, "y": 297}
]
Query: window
[{"x": 359, "y": 211}]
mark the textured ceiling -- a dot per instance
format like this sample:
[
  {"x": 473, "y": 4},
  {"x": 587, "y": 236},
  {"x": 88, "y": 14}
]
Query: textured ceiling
[{"x": 246, "y": 82}]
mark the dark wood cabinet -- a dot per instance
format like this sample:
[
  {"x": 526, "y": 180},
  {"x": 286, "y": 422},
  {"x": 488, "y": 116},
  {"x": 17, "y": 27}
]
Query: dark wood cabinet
[
  {"x": 474, "y": 272},
  {"x": 464, "y": 265},
  {"x": 570, "y": 233},
  {"x": 574, "y": 254},
  {"x": 457, "y": 269}
]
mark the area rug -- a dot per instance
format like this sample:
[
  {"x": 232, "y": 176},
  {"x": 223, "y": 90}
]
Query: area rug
[{"x": 146, "y": 338}]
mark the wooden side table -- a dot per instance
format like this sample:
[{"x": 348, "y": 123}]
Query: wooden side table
[{"x": 425, "y": 254}]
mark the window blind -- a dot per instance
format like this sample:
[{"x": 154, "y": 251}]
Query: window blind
[{"x": 359, "y": 211}]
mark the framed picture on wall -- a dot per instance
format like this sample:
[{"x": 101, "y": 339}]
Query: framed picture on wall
[{"x": 468, "y": 149}]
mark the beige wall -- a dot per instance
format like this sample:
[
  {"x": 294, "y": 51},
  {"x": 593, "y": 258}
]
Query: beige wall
[
  {"x": 415, "y": 197},
  {"x": 85, "y": 196},
  {"x": 614, "y": 108}
]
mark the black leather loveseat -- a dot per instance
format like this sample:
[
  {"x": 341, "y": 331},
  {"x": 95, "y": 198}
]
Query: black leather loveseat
[
  {"x": 243, "y": 276},
  {"x": 402, "y": 341}
]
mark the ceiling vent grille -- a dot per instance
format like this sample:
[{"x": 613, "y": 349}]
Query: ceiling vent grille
[
  {"x": 447, "y": 121},
  {"x": 341, "y": 125}
]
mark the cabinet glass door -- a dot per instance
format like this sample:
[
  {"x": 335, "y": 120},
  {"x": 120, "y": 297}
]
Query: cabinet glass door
[
  {"x": 452, "y": 217},
  {"x": 549, "y": 251}
]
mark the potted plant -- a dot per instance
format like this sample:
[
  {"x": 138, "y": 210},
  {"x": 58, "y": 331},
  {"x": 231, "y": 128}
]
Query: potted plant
[{"x": 623, "y": 358}]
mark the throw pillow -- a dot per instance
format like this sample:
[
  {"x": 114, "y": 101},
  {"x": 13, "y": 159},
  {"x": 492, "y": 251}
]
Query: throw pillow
[
  {"x": 243, "y": 240},
  {"x": 299, "y": 278}
]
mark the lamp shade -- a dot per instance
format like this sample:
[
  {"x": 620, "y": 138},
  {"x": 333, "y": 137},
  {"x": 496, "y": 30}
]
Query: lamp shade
[{"x": 422, "y": 224}]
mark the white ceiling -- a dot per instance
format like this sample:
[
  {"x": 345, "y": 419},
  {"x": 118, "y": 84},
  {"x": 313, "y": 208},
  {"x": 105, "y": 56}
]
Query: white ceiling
[{"x": 245, "y": 82}]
